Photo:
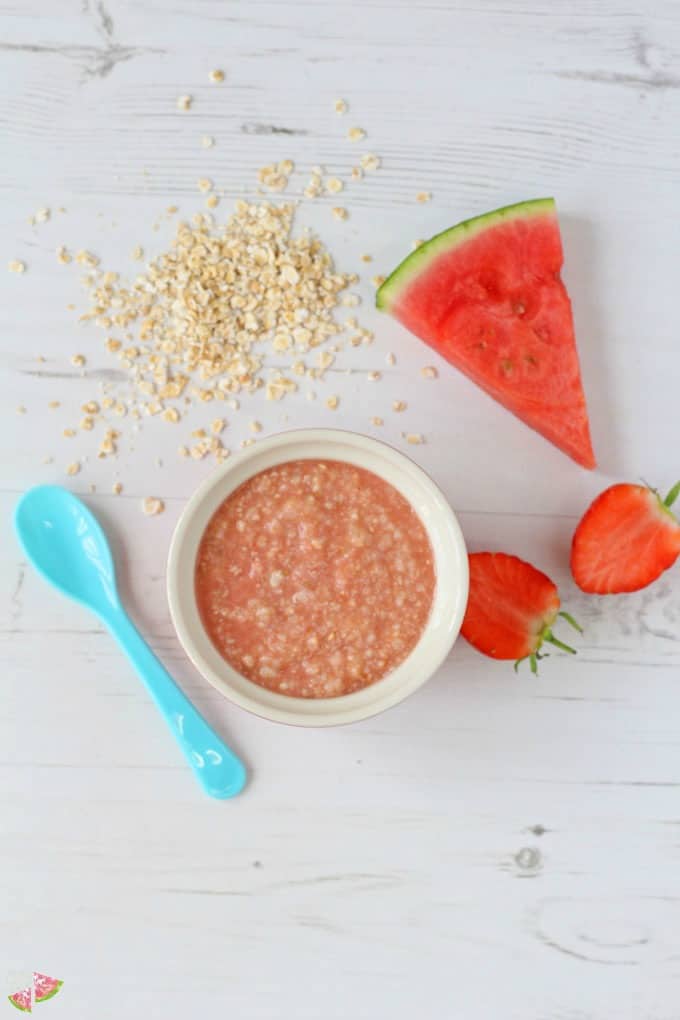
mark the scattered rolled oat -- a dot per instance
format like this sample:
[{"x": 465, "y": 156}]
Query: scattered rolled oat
[
  {"x": 413, "y": 438},
  {"x": 355, "y": 134},
  {"x": 339, "y": 213},
  {"x": 334, "y": 185},
  {"x": 217, "y": 426},
  {"x": 73, "y": 468},
  {"x": 255, "y": 426},
  {"x": 378, "y": 280},
  {"x": 87, "y": 423},
  {"x": 313, "y": 189},
  {"x": 325, "y": 359},
  {"x": 21, "y": 409},
  {"x": 207, "y": 141},
  {"x": 86, "y": 258},
  {"x": 286, "y": 167},
  {"x": 429, "y": 372},
  {"x": 204, "y": 184},
  {"x": 217, "y": 76},
  {"x": 272, "y": 178},
  {"x": 184, "y": 103},
  {"x": 63, "y": 255},
  {"x": 54, "y": 403},
  {"x": 423, "y": 196},
  {"x": 116, "y": 488},
  {"x": 108, "y": 444},
  {"x": 78, "y": 360},
  {"x": 356, "y": 173},
  {"x": 341, "y": 106},
  {"x": 91, "y": 407},
  {"x": 16, "y": 266},
  {"x": 377, "y": 422},
  {"x": 69, "y": 433},
  {"x": 152, "y": 506},
  {"x": 247, "y": 442},
  {"x": 171, "y": 414},
  {"x": 366, "y": 258},
  {"x": 374, "y": 376},
  {"x": 391, "y": 359},
  {"x": 138, "y": 253},
  {"x": 212, "y": 201},
  {"x": 399, "y": 405},
  {"x": 182, "y": 451},
  {"x": 332, "y": 403},
  {"x": 370, "y": 161}
]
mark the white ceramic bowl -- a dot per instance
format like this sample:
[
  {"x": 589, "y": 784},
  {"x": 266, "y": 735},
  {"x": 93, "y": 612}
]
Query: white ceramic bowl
[{"x": 451, "y": 566}]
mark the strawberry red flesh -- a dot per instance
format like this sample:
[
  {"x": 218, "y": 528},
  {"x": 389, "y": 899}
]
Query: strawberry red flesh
[
  {"x": 625, "y": 540},
  {"x": 511, "y": 607}
]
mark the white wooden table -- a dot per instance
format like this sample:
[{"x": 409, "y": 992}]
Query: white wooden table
[{"x": 500, "y": 846}]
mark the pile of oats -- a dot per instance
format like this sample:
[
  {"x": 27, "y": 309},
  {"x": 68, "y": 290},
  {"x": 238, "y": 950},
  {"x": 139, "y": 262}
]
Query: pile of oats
[
  {"x": 201, "y": 321},
  {"x": 214, "y": 315}
]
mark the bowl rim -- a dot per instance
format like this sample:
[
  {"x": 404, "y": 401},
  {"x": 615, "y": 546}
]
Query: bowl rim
[{"x": 451, "y": 586}]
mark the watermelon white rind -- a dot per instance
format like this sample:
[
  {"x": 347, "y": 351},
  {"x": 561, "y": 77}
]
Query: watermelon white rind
[{"x": 418, "y": 261}]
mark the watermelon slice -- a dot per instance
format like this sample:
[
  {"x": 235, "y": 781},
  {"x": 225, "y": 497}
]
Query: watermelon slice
[
  {"x": 487, "y": 295},
  {"x": 22, "y": 1000},
  {"x": 45, "y": 987}
]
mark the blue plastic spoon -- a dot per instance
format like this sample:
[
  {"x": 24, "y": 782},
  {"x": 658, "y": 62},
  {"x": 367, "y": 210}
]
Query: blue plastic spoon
[{"x": 65, "y": 544}]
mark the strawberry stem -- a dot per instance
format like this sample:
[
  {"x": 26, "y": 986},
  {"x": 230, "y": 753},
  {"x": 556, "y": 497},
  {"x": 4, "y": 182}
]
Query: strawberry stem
[
  {"x": 672, "y": 495},
  {"x": 571, "y": 621}
]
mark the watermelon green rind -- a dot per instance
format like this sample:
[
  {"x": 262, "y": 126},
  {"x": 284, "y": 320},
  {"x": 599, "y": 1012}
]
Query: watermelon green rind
[
  {"x": 50, "y": 994},
  {"x": 419, "y": 260}
]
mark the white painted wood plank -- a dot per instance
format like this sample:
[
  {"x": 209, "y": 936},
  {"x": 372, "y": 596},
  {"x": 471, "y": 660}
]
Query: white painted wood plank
[{"x": 499, "y": 845}]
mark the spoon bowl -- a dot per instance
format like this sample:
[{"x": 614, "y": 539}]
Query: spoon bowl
[{"x": 66, "y": 545}]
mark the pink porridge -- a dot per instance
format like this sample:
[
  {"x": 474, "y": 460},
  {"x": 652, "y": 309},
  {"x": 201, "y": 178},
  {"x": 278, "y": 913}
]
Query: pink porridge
[{"x": 315, "y": 578}]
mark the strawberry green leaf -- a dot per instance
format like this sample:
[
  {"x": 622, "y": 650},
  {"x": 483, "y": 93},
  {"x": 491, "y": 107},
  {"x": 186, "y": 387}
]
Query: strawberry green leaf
[
  {"x": 571, "y": 621},
  {"x": 672, "y": 495}
]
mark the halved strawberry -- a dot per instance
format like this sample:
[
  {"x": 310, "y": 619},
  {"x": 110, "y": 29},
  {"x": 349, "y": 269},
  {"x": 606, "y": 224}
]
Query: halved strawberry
[
  {"x": 625, "y": 540},
  {"x": 511, "y": 609}
]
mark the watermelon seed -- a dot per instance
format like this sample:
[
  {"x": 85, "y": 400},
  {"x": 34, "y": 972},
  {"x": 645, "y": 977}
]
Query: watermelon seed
[{"x": 507, "y": 366}]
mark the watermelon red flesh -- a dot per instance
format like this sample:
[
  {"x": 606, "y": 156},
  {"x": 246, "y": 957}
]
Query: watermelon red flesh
[
  {"x": 22, "y": 1000},
  {"x": 45, "y": 987},
  {"x": 487, "y": 295}
]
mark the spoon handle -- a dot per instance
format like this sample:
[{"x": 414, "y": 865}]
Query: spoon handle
[{"x": 218, "y": 770}]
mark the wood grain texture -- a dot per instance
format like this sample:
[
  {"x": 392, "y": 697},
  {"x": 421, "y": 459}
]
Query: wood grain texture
[{"x": 499, "y": 846}]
